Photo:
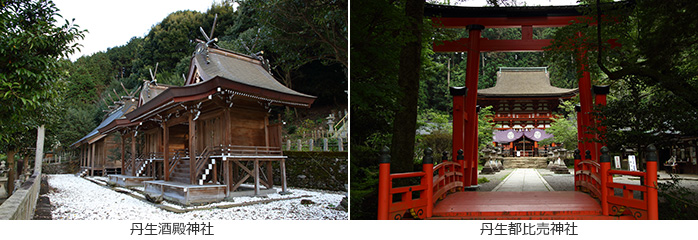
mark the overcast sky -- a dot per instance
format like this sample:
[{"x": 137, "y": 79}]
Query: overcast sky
[{"x": 114, "y": 23}]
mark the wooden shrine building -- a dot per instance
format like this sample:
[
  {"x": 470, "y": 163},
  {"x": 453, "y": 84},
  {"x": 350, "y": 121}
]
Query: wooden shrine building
[
  {"x": 524, "y": 103},
  {"x": 99, "y": 152},
  {"x": 211, "y": 138}
]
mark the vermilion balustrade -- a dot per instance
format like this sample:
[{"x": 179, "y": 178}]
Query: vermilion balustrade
[
  {"x": 416, "y": 200},
  {"x": 597, "y": 179}
]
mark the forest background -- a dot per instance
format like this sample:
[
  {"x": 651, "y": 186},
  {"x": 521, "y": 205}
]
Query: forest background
[{"x": 306, "y": 43}]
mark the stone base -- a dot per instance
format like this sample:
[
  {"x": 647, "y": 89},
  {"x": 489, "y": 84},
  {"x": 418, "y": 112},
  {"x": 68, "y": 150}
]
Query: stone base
[
  {"x": 127, "y": 181},
  {"x": 185, "y": 194}
]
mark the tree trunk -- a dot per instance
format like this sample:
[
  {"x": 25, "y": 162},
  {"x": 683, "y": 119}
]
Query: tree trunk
[
  {"x": 405, "y": 122},
  {"x": 12, "y": 172}
]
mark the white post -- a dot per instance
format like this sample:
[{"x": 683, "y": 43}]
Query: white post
[
  {"x": 288, "y": 145},
  {"x": 324, "y": 145},
  {"x": 340, "y": 144},
  {"x": 39, "y": 149},
  {"x": 300, "y": 145},
  {"x": 310, "y": 145}
]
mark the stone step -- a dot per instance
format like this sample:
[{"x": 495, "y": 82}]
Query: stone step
[{"x": 525, "y": 162}]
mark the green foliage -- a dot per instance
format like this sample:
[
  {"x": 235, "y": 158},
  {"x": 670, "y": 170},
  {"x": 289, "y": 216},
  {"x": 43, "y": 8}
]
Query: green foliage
[
  {"x": 563, "y": 127},
  {"x": 482, "y": 180},
  {"x": 650, "y": 66},
  {"x": 676, "y": 202},
  {"x": 31, "y": 80},
  {"x": 485, "y": 127}
]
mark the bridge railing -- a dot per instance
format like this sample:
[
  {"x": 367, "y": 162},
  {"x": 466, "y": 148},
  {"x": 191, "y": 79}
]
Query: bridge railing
[
  {"x": 416, "y": 200},
  {"x": 603, "y": 186}
]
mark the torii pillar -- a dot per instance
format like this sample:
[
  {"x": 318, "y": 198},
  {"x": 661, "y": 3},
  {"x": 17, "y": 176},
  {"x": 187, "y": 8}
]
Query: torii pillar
[{"x": 471, "y": 129}]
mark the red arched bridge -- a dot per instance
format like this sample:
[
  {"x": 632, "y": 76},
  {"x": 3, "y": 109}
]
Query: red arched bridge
[
  {"x": 440, "y": 193},
  {"x": 441, "y": 189}
]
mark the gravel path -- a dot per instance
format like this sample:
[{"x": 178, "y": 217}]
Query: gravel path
[
  {"x": 559, "y": 182},
  {"x": 494, "y": 180},
  {"x": 74, "y": 198}
]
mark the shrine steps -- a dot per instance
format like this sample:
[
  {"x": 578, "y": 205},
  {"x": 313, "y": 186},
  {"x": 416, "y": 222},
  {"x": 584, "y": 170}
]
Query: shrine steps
[
  {"x": 181, "y": 172},
  {"x": 524, "y": 162},
  {"x": 520, "y": 206}
]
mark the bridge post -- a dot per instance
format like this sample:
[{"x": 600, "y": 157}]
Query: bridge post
[
  {"x": 577, "y": 160},
  {"x": 651, "y": 183},
  {"x": 384, "y": 184},
  {"x": 605, "y": 162},
  {"x": 461, "y": 161},
  {"x": 428, "y": 180},
  {"x": 587, "y": 157}
]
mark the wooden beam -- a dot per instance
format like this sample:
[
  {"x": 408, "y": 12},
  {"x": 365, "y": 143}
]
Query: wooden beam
[
  {"x": 505, "y": 22},
  {"x": 487, "y": 45}
]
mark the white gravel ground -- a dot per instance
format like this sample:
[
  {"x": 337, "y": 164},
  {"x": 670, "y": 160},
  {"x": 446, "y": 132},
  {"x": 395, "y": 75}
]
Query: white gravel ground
[{"x": 75, "y": 198}]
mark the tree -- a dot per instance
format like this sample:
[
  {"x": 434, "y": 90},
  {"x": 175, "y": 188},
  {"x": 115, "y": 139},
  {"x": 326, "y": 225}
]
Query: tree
[
  {"x": 651, "y": 65},
  {"x": 31, "y": 45},
  {"x": 405, "y": 121},
  {"x": 563, "y": 127},
  {"x": 293, "y": 33}
]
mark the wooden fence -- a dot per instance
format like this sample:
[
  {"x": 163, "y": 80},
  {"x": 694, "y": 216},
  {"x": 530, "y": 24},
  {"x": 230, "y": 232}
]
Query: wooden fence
[{"x": 322, "y": 144}]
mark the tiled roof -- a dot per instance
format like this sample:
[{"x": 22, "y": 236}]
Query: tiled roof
[{"x": 524, "y": 82}]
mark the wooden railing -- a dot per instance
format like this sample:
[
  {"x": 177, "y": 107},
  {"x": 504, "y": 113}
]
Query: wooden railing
[
  {"x": 416, "y": 200},
  {"x": 201, "y": 162},
  {"x": 175, "y": 160},
  {"x": 246, "y": 150},
  {"x": 448, "y": 178},
  {"x": 600, "y": 183}
]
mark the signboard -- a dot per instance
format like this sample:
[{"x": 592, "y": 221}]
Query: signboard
[
  {"x": 518, "y": 153},
  {"x": 616, "y": 159},
  {"x": 632, "y": 165}
]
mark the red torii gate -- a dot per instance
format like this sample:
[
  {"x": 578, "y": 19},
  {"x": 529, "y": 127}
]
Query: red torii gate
[
  {"x": 475, "y": 19},
  {"x": 461, "y": 172}
]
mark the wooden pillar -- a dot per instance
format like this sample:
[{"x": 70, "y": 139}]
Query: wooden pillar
[
  {"x": 471, "y": 129},
  {"x": 458, "y": 94},
  {"x": 651, "y": 183},
  {"x": 227, "y": 169},
  {"x": 92, "y": 160},
  {"x": 123, "y": 152},
  {"x": 283, "y": 175},
  {"x": 384, "y": 185},
  {"x": 428, "y": 180},
  {"x": 165, "y": 150},
  {"x": 133, "y": 153},
  {"x": 256, "y": 177},
  {"x": 605, "y": 165},
  {"x": 585, "y": 102},
  {"x": 192, "y": 149}
]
